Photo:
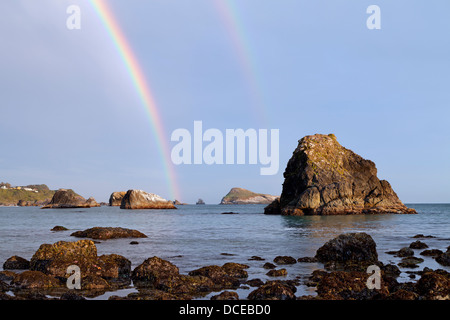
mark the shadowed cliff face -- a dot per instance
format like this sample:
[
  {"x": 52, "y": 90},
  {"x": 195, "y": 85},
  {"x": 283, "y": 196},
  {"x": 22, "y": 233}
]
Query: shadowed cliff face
[{"x": 322, "y": 177}]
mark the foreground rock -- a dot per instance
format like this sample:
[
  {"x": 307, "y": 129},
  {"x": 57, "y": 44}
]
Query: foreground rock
[
  {"x": 348, "y": 251},
  {"x": 444, "y": 258},
  {"x": 138, "y": 199},
  {"x": 159, "y": 274},
  {"x": 116, "y": 198},
  {"x": 324, "y": 178},
  {"x": 54, "y": 259},
  {"x": 342, "y": 285},
  {"x": 16, "y": 263},
  {"x": 104, "y": 233},
  {"x": 64, "y": 199},
  {"x": 243, "y": 196},
  {"x": 274, "y": 290}
]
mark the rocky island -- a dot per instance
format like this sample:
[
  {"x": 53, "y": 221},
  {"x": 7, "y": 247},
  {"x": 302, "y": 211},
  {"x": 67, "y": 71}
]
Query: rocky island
[
  {"x": 138, "y": 199},
  {"x": 67, "y": 198},
  {"x": 243, "y": 196},
  {"x": 324, "y": 178}
]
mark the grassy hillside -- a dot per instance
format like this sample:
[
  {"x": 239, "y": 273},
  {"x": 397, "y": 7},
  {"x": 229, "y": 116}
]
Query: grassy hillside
[
  {"x": 10, "y": 197},
  {"x": 239, "y": 194}
]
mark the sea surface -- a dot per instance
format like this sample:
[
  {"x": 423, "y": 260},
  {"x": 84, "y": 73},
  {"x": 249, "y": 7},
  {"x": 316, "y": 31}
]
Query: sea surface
[{"x": 199, "y": 235}]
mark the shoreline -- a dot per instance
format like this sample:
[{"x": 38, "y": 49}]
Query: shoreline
[{"x": 232, "y": 281}]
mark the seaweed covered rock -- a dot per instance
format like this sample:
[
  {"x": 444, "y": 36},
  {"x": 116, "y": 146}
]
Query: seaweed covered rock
[
  {"x": 324, "y": 178},
  {"x": 348, "y": 250},
  {"x": 54, "y": 259},
  {"x": 274, "y": 290},
  {"x": 16, "y": 263},
  {"x": 103, "y": 233}
]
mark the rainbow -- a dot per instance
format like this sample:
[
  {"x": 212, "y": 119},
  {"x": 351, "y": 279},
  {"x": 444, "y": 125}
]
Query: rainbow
[
  {"x": 135, "y": 71},
  {"x": 236, "y": 31}
]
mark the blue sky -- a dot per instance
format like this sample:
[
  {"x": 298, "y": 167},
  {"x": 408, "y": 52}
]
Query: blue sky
[{"x": 70, "y": 116}]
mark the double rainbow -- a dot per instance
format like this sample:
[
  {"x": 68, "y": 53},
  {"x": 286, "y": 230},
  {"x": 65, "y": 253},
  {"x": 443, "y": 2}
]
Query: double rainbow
[
  {"x": 229, "y": 14},
  {"x": 143, "y": 89}
]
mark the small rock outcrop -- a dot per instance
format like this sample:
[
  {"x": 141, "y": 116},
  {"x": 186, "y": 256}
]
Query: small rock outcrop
[
  {"x": 200, "y": 201},
  {"x": 104, "y": 233},
  {"x": 243, "y": 196},
  {"x": 16, "y": 263},
  {"x": 116, "y": 198},
  {"x": 324, "y": 178},
  {"x": 138, "y": 199},
  {"x": 67, "y": 198}
]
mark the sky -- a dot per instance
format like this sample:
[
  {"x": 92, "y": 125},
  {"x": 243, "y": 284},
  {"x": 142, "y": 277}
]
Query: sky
[{"x": 71, "y": 117}]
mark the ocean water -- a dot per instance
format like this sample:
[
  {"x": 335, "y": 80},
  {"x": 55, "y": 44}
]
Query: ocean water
[{"x": 199, "y": 235}]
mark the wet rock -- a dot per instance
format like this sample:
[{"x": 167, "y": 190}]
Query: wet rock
[
  {"x": 71, "y": 295},
  {"x": 284, "y": 260},
  {"x": 4, "y": 286},
  {"x": 308, "y": 259},
  {"x": 16, "y": 263},
  {"x": 7, "y": 275},
  {"x": 236, "y": 270},
  {"x": 159, "y": 274},
  {"x": 55, "y": 258},
  {"x": 152, "y": 271},
  {"x": 114, "y": 266},
  {"x": 151, "y": 294},
  {"x": 444, "y": 258},
  {"x": 226, "y": 295},
  {"x": 403, "y": 252},
  {"x": 277, "y": 273},
  {"x": 274, "y": 290},
  {"x": 269, "y": 265},
  {"x": 418, "y": 245},
  {"x": 421, "y": 236},
  {"x": 391, "y": 270},
  {"x": 59, "y": 228},
  {"x": 324, "y": 178},
  {"x": 434, "y": 286},
  {"x": 138, "y": 199},
  {"x": 431, "y": 253},
  {"x": 256, "y": 258},
  {"x": 104, "y": 233},
  {"x": 342, "y": 285},
  {"x": 410, "y": 262},
  {"x": 230, "y": 212},
  {"x": 34, "y": 280},
  {"x": 94, "y": 283},
  {"x": 403, "y": 295},
  {"x": 347, "y": 250},
  {"x": 218, "y": 275},
  {"x": 315, "y": 278},
  {"x": 255, "y": 282},
  {"x": 134, "y": 242}
]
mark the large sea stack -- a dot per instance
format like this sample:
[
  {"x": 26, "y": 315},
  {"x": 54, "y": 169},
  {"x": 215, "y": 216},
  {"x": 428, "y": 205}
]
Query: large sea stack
[{"x": 324, "y": 178}]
